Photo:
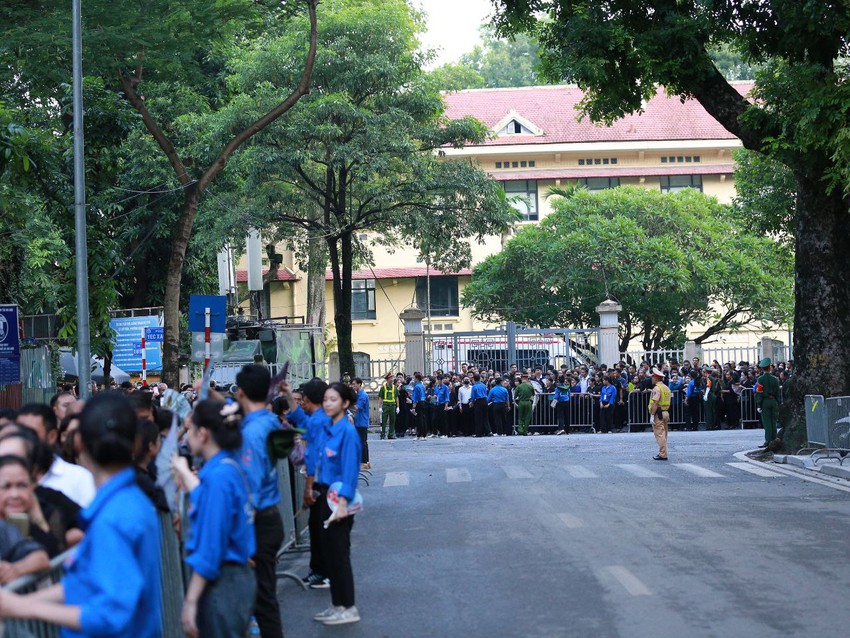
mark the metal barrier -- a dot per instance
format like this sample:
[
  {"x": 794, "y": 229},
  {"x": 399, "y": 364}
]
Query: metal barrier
[
  {"x": 295, "y": 518},
  {"x": 838, "y": 422},
  {"x": 749, "y": 412},
  {"x": 173, "y": 585},
  {"x": 638, "y": 406},
  {"x": 817, "y": 427},
  {"x": 27, "y": 585},
  {"x": 582, "y": 411}
]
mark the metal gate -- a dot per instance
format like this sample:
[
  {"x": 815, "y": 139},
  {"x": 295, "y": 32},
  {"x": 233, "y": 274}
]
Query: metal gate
[{"x": 498, "y": 350}]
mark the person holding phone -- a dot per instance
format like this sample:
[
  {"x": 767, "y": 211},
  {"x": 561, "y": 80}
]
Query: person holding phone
[{"x": 221, "y": 592}]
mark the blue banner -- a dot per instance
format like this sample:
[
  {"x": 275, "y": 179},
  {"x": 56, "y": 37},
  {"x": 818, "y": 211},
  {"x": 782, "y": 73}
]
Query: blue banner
[
  {"x": 10, "y": 346},
  {"x": 126, "y": 344},
  {"x": 155, "y": 335}
]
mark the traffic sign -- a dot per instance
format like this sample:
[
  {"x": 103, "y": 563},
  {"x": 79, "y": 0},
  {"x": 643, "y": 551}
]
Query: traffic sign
[
  {"x": 218, "y": 312},
  {"x": 154, "y": 335}
]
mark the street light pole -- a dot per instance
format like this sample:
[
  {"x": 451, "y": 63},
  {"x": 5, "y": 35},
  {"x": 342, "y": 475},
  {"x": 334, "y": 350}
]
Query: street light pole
[{"x": 83, "y": 330}]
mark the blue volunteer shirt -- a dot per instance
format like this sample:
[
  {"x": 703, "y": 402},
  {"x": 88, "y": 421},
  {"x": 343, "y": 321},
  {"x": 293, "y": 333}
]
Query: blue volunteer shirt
[
  {"x": 315, "y": 425},
  {"x": 608, "y": 395},
  {"x": 341, "y": 457},
  {"x": 114, "y": 573},
  {"x": 497, "y": 394},
  {"x": 562, "y": 395},
  {"x": 361, "y": 417},
  {"x": 692, "y": 389},
  {"x": 221, "y": 527},
  {"x": 479, "y": 391},
  {"x": 418, "y": 393},
  {"x": 261, "y": 471},
  {"x": 443, "y": 395}
]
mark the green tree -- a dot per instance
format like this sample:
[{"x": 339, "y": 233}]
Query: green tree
[
  {"x": 670, "y": 260},
  {"x": 363, "y": 149},
  {"x": 766, "y": 195},
  {"x": 620, "y": 50},
  {"x": 495, "y": 63},
  {"x": 164, "y": 55}
]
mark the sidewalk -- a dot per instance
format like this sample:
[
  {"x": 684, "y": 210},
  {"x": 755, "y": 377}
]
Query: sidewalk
[{"x": 821, "y": 469}]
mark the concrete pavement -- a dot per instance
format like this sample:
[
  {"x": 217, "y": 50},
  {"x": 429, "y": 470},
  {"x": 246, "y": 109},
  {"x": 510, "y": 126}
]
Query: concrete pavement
[{"x": 585, "y": 535}]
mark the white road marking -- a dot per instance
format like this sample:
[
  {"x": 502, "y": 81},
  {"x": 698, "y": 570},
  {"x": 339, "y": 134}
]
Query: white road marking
[
  {"x": 699, "y": 471},
  {"x": 638, "y": 470},
  {"x": 628, "y": 580},
  {"x": 571, "y": 521},
  {"x": 517, "y": 472},
  {"x": 457, "y": 475},
  {"x": 395, "y": 479},
  {"x": 580, "y": 472},
  {"x": 752, "y": 469}
]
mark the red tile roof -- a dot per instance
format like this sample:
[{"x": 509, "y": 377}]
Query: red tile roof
[
  {"x": 553, "y": 109},
  {"x": 636, "y": 171},
  {"x": 398, "y": 273},
  {"x": 282, "y": 275}
]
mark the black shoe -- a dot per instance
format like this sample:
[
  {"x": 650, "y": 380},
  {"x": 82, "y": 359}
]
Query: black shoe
[
  {"x": 659, "y": 458},
  {"x": 764, "y": 445}
]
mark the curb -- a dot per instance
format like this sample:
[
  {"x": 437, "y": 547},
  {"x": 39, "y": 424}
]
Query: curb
[{"x": 802, "y": 471}]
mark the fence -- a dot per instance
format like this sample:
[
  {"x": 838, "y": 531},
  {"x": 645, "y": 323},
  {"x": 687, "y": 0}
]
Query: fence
[
  {"x": 652, "y": 357},
  {"x": 838, "y": 423},
  {"x": 817, "y": 423},
  {"x": 37, "y": 385}
]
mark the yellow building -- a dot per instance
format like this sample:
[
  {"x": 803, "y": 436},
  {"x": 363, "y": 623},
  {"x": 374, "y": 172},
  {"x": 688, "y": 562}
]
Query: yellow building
[{"x": 538, "y": 141}]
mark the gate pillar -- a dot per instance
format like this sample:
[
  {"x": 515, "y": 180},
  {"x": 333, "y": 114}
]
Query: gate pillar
[
  {"x": 609, "y": 324},
  {"x": 414, "y": 341}
]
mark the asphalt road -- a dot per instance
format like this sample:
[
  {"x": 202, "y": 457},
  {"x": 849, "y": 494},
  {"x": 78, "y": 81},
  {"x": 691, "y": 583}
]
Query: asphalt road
[{"x": 586, "y": 536}]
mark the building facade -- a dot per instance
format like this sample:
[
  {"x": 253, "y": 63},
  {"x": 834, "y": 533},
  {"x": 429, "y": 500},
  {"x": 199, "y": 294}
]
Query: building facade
[{"x": 539, "y": 141}]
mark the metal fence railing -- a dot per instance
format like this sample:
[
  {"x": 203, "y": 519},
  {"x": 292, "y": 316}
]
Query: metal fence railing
[
  {"x": 749, "y": 411},
  {"x": 817, "y": 426},
  {"x": 838, "y": 421},
  {"x": 27, "y": 585}
]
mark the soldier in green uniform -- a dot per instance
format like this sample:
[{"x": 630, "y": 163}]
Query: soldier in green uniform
[
  {"x": 524, "y": 395},
  {"x": 389, "y": 406},
  {"x": 767, "y": 400}
]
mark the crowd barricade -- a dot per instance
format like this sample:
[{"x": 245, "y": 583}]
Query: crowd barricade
[
  {"x": 27, "y": 585},
  {"x": 638, "y": 407},
  {"x": 678, "y": 412},
  {"x": 294, "y": 517},
  {"x": 582, "y": 412},
  {"x": 749, "y": 412}
]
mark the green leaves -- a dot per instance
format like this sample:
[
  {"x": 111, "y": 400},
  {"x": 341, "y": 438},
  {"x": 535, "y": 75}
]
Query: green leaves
[{"x": 671, "y": 260}]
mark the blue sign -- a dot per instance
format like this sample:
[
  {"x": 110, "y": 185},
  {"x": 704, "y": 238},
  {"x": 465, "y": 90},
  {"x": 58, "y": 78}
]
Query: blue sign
[
  {"x": 127, "y": 342},
  {"x": 218, "y": 312},
  {"x": 10, "y": 347},
  {"x": 154, "y": 335}
]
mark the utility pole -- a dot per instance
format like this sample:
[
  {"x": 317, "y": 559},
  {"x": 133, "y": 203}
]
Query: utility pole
[{"x": 83, "y": 328}]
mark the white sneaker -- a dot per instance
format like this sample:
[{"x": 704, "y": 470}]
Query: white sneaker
[
  {"x": 559, "y": 432},
  {"x": 322, "y": 616},
  {"x": 444, "y": 436},
  {"x": 343, "y": 616}
]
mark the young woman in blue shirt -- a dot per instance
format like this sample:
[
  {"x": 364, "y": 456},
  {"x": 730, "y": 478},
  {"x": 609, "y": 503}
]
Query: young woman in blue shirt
[
  {"x": 339, "y": 462},
  {"x": 222, "y": 589},
  {"x": 112, "y": 583}
]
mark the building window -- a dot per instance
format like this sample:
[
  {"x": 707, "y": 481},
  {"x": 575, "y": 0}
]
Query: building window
[
  {"x": 498, "y": 165},
  {"x": 523, "y": 164},
  {"x": 363, "y": 299},
  {"x": 532, "y": 164},
  {"x": 514, "y": 164},
  {"x": 522, "y": 195},
  {"x": 444, "y": 295},
  {"x": 675, "y": 183},
  {"x": 599, "y": 183}
]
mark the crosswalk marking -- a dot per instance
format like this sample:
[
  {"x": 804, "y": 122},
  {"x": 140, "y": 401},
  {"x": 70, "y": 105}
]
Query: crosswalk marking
[
  {"x": 517, "y": 472},
  {"x": 580, "y": 472},
  {"x": 570, "y": 521},
  {"x": 628, "y": 580},
  {"x": 698, "y": 471},
  {"x": 457, "y": 475},
  {"x": 754, "y": 469},
  {"x": 395, "y": 479},
  {"x": 638, "y": 470}
]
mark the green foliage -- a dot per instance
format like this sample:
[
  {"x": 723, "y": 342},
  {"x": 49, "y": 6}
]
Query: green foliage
[
  {"x": 731, "y": 63},
  {"x": 670, "y": 260},
  {"x": 766, "y": 195},
  {"x": 495, "y": 63}
]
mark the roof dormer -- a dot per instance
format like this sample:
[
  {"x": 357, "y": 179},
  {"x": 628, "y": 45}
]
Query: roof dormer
[{"x": 515, "y": 124}]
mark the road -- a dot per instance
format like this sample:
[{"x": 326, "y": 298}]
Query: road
[{"x": 586, "y": 536}]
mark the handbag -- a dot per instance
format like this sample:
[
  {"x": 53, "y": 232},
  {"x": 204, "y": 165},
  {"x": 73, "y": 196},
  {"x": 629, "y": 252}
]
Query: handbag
[{"x": 553, "y": 403}]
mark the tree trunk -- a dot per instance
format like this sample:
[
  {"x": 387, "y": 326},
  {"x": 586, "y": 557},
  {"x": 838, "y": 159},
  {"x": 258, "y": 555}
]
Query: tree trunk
[
  {"x": 822, "y": 299},
  {"x": 173, "y": 277},
  {"x": 316, "y": 264},
  {"x": 341, "y": 256}
]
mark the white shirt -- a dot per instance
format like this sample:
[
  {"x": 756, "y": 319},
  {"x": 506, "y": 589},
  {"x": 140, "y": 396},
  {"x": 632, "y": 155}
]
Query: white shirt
[
  {"x": 74, "y": 481},
  {"x": 582, "y": 384},
  {"x": 464, "y": 394}
]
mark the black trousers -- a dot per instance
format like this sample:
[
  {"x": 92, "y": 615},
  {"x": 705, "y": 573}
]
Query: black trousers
[
  {"x": 441, "y": 419},
  {"x": 420, "y": 421},
  {"x": 364, "y": 457},
  {"x": 606, "y": 418},
  {"x": 562, "y": 411},
  {"x": 693, "y": 412},
  {"x": 336, "y": 548},
  {"x": 498, "y": 416},
  {"x": 314, "y": 524},
  {"x": 268, "y": 532},
  {"x": 479, "y": 415}
]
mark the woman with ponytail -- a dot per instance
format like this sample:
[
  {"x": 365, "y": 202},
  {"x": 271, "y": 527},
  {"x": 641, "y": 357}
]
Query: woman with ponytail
[
  {"x": 222, "y": 589},
  {"x": 112, "y": 584}
]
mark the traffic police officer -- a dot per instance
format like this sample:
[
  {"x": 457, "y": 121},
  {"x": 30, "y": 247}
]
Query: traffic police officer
[
  {"x": 389, "y": 407},
  {"x": 659, "y": 410}
]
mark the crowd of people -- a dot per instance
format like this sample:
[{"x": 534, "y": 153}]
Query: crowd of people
[
  {"x": 475, "y": 401},
  {"x": 89, "y": 477}
]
